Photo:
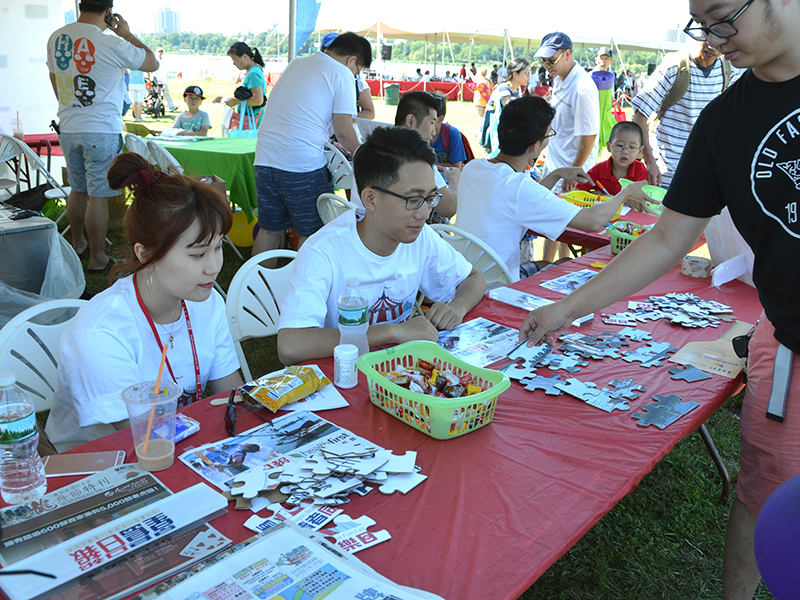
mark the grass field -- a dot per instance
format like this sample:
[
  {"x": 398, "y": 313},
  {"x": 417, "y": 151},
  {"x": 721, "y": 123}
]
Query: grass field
[{"x": 663, "y": 541}]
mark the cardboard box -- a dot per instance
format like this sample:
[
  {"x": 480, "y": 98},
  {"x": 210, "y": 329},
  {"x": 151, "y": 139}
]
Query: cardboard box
[{"x": 213, "y": 180}]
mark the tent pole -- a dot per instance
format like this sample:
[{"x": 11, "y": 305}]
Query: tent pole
[
  {"x": 471, "y": 43},
  {"x": 292, "y": 29},
  {"x": 434, "y": 56},
  {"x": 528, "y": 51}
]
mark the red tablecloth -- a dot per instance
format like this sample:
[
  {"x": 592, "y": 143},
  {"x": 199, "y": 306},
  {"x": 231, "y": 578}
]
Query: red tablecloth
[
  {"x": 454, "y": 91},
  {"x": 503, "y": 503},
  {"x": 40, "y": 142}
]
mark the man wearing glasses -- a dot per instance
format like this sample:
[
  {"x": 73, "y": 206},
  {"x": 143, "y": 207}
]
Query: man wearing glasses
[
  {"x": 577, "y": 119},
  {"x": 743, "y": 153},
  {"x": 708, "y": 78},
  {"x": 391, "y": 252},
  {"x": 314, "y": 93}
]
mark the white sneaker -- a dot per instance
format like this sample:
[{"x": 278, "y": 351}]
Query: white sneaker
[{"x": 138, "y": 120}]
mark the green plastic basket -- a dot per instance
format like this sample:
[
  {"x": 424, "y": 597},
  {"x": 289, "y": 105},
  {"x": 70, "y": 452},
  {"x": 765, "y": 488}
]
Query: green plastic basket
[
  {"x": 440, "y": 418},
  {"x": 619, "y": 239},
  {"x": 655, "y": 192}
]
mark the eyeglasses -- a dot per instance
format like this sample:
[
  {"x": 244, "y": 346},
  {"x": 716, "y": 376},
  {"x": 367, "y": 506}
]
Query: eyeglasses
[
  {"x": 230, "y": 415},
  {"x": 414, "y": 202},
  {"x": 552, "y": 133},
  {"x": 624, "y": 148},
  {"x": 723, "y": 29},
  {"x": 551, "y": 63}
]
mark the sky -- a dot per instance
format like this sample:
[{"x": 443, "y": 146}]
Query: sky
[{"x": 625, "y": 19}]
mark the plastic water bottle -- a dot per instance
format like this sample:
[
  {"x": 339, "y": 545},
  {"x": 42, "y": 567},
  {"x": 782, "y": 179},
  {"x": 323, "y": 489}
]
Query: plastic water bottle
[
  {"x": 354, "y": 317},
  {"x": 22, "y": 478}
]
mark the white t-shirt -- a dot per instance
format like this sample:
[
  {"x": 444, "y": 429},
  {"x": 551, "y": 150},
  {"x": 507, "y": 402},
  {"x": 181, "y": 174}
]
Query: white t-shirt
[
  {"x": 300, "y": 111},
  {"x": 577, "y": 114},
  {"x": 499, "y": 205},
  {"x": 90, "y": 77},
  {"x": 355, "y": 195},
  {"x": 391, "y": 283},
  {"x": 109, "y": 345}
]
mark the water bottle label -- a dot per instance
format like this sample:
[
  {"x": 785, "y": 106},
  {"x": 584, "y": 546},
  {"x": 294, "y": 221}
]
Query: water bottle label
[
  {"x": 358, "y": 316},
  {"x": 16, "y": 431}
]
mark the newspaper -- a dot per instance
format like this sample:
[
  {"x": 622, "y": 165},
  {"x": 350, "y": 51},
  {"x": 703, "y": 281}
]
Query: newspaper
[
  {"x": 104, "y": 545},
  {"x": 479, "y": 342},
  {"x": 566, "y": 284},
  {"x": 517, "y": 298},
  {"x": 294, "y": 436},
  {"x": 284, "y": 562},
  {"x": 75, "y": 509}
]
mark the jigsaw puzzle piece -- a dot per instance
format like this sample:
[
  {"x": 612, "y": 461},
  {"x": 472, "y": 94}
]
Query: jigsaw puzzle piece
[
  {"x": 548, "y": 384},
  {"x": 351, "y": 535},
  {"x": 253, "y": 481},
  {"x": 627, "y": 389},
  {"x": 688, "y": 373},
  {"x": 402, "y": 483},
  {"x": 637, "y": 335},
  {"x": 395, "y": 464},
  {"x": 665, "y": 411}
]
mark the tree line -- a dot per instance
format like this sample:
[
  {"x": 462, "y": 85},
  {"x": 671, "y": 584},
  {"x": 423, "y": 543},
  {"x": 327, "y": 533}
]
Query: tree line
[{"x": 274, "y": 45}]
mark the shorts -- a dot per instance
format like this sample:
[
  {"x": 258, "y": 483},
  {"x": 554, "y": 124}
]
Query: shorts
[
  {"x": 770, "y": 450},
  {"x": 288, "y": 199},
  {"x": 137, "y": 91},
  {"x": 88, "y": 157}
]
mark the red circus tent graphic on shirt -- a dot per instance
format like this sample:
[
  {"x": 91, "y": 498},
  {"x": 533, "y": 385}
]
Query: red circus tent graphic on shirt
[{"x": 385, "y": 310}]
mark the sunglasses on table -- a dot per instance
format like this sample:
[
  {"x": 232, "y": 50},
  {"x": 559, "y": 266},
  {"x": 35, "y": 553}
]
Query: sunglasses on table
[{"x": 230, "y": 414}]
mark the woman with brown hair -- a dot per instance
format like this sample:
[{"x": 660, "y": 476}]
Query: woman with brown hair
[{"x": 175, "y": 227}]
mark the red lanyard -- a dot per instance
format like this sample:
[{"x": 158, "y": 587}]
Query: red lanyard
[{"x": 199, "y": 392}]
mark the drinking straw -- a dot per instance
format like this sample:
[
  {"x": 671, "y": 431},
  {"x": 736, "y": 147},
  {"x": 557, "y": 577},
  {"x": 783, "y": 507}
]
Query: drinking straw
[{"x": 156, "y": 392}]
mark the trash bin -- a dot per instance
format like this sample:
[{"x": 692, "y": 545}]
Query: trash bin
[{"x": 391, "y": 94}]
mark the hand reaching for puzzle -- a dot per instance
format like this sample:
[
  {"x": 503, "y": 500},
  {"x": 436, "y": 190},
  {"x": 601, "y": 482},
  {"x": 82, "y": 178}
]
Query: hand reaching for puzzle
[{"x": 540, "y": 324}]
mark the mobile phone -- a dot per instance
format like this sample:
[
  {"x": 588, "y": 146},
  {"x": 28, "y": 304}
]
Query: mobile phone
[
  {"x": 110, "y": 20},
  {"x": 62, "y": 465}
]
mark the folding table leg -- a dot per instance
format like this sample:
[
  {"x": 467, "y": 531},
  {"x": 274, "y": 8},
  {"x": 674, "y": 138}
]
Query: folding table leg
[
  {"x": 235, "y": 249},
  {"x": 723, "y": 472}
]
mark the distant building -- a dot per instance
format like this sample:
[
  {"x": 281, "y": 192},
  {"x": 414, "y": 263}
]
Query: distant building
[
  {"x": 69, "y": 17},
  {"x": 168, "y": 21},
  {"x": 676, "y": 35}
]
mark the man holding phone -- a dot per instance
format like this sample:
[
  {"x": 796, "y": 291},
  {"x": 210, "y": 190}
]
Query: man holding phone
[{"x": 87, "y": 71}]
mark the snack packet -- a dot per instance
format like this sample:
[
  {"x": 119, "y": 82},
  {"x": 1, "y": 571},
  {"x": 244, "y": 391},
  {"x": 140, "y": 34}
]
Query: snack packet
[{"x": 295, "y": 383}]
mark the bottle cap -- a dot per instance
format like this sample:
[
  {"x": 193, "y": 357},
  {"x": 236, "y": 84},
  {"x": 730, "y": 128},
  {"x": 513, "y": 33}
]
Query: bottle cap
[
  {"x": 346, "y": 352},
  {"x": 351, "y": 282},
  {"x": 7, "y": 379}
]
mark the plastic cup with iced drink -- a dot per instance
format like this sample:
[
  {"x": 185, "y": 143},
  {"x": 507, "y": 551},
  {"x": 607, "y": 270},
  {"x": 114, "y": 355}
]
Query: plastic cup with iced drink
[{"x": 152, "y": 422}]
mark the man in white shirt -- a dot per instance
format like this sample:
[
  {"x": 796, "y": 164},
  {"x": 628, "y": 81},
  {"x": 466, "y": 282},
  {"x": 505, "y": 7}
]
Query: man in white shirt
[
  {"x": 313, "y": 93},
  {"x": 391, "y": 251},
  {"x": 577, "y": 121},
  {"x": 161, "y": 75},
  {"x": 499, "y": 202},
  {"x": 87, "y": 71}
]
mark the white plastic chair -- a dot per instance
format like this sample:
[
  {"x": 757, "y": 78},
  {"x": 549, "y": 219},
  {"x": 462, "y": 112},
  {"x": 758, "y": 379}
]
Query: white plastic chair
[
  {"x": 10, "y": 151},
  {"x": 137, "y": 144},
  {"x": 331, "y": 206},
  {"x": 161, "y": 157},
  {"x": 254, "y": 300},
  {"x": 32, "y": 350},
  {"x": 478, "y": 253},
  {"x": 59, "y": 191},
  {"x": 340, "y": 168}
]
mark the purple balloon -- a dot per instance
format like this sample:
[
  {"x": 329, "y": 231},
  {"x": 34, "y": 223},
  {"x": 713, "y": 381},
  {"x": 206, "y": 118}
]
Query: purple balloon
[{"x": 777, "y": 541}]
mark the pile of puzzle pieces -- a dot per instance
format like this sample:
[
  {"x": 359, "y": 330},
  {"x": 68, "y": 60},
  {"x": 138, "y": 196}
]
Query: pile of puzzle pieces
[
  {"x": 332, "y": 473},
  {"x": 682, "y": 309}
]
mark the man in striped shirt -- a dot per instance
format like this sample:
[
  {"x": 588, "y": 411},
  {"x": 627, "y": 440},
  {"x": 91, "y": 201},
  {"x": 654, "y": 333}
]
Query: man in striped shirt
[{"x": 663, "y": 149}]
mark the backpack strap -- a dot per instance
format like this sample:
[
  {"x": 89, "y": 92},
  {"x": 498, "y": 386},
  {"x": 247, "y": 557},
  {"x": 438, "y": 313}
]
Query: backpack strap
[
  {"x": 679, "y": 86},
  {"x": 726, "y": 73},
  {"x": 444, "y": 135}
]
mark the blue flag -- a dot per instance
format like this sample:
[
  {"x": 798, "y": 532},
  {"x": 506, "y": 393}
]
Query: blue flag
[{"x": 307, "y": 11}]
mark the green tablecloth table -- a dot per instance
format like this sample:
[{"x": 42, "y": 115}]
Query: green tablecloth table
[{"x": 228, "y": 158}]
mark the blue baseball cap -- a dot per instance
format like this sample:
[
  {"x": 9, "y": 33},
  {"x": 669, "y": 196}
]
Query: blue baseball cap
[
  {"x": 552, "y": 43},
  {"x": 327, "y": 39}
]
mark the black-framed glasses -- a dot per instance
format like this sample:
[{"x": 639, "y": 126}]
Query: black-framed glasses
[
  {"x": 628, "y": 149},
  {"x": 414, "y": 202},
  {"x": 552, "y": 63},
  {"x": 230, "y": 414},
  {"x": 722, "y": 29},
  {"x": 552, "y": 133}
]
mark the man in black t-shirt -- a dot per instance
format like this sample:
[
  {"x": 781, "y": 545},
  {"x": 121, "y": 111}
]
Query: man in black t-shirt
[{"x": 743, "y": 153}]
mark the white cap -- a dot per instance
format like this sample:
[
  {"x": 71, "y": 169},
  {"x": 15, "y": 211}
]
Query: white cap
[
  {"x": 346, "y": 352},
  {"x": 7, "y": 379},
  {"x": 351, "y": 282}
]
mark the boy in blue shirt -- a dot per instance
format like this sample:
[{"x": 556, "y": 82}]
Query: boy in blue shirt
[
  {"x": 448, "y": 144},
  {"x": 193, "y": 121}
]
